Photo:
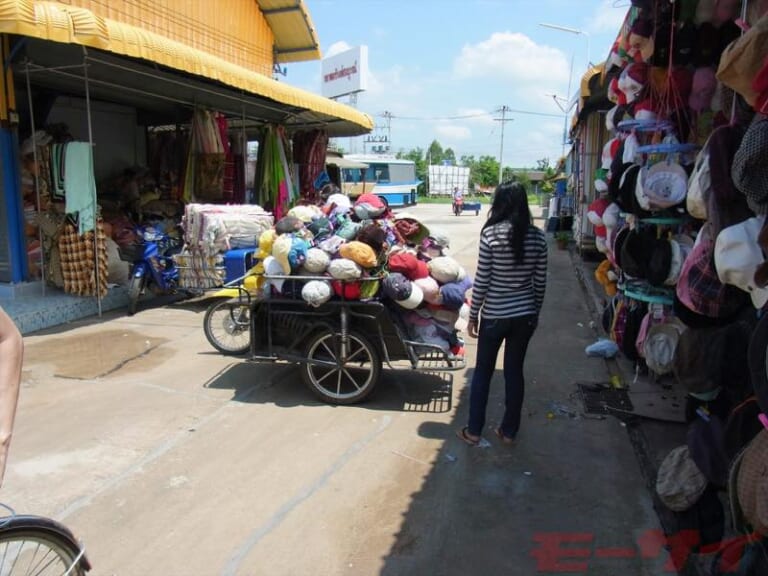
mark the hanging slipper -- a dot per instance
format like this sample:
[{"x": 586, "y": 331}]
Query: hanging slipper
[{"x": 463, "y": 434}]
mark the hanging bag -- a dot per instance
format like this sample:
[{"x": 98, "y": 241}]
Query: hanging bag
[{"x": 742, "y": 60}]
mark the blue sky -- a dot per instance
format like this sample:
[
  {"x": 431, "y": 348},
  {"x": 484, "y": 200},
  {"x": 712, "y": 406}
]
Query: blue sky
[{"x": 431, "y": 60}]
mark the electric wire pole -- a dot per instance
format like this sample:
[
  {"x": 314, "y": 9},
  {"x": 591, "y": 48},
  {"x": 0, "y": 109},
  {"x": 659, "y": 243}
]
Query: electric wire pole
[{"x": 504, "y": 109}]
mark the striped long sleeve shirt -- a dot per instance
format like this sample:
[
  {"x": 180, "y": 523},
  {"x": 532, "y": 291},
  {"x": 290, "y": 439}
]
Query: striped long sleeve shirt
[{"x": 504, "y": 288}]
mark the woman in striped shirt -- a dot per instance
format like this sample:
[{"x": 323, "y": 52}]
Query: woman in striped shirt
[{"x": 507, "y": 297}]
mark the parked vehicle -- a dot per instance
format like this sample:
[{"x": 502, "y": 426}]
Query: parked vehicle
[
  {"x": 392, "y": 179},
  {"x": 152, "y": 265},
  {"x": 227, "y": 322}
]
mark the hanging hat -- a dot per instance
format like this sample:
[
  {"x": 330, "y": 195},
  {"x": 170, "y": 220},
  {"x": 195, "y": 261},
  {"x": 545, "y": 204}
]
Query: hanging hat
[
  {"x": 618, "y": 245},
  {"x": 610, "y": 150},
  {"x": 408, "y": 265},
  {"x": 750, "y": 169},
  {"x": 595, "y": 213},
  {"x": 359, "y": 252},
  {"x": 305, "y": 212},
  {"x": 699, "y": 289},
  {"x": 665, "y": 184},
  {"x": 633, "y": 80},
  {"x": 679, "y": 483},
  {"x": 344, "y": 269},
  {"x": 676, "y": 263},
  {"x": 641, "y": 39},
  {"x": 317, "y": 261},
  {"x": 752, "y": 483},
  {"x": 684, "y": 44},
  {"x": 659, "y": 262},
  {"x": 702, "y": 359},
  {"x": 331, "y": 245},
  {"x": 703, "y": 89},
  {"x": 611, "y": 216},
  {"x": 316, "y": 292},
  {"x": 645, "y": 110},
  {"x": 737, "y": 256},
  {"x": 760, "y": 86},
  {"x": 660, "y": 345}
]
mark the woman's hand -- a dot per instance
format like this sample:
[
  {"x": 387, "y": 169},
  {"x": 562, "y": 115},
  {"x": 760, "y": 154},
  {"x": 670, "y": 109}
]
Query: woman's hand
[{"x": 472, "y": 328}]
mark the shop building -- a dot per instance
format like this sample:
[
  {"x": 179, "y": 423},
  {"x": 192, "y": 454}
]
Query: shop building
[{"x": 131, "y": 80}]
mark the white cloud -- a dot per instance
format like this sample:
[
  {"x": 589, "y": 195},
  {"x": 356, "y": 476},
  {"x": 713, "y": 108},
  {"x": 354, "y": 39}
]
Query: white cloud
[
  {"x": 607, "y": 17},
  {"x": 452, "y": 132},
  {"x": 514, "y": 59},
  {"x": 336, "y": 48}
]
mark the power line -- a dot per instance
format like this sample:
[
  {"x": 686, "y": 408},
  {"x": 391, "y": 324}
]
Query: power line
[{"x": 468, "y": 116}]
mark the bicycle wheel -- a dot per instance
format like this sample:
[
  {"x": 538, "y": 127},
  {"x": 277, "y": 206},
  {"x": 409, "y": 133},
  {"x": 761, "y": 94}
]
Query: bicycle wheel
[
  {"x": 28, "y": 551},
  {"x": 227, "y": 326}
]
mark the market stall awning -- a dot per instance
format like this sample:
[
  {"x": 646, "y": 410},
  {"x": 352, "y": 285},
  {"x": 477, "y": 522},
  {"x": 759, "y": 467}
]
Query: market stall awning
[
  {"x": 65, "y": 24},
  {"x": 344, "y": 163},
  {"x": 295, "y": 36},
  {"x": 593, "y": 93}
]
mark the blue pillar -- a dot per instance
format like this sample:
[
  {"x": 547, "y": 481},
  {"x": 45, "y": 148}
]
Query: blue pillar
[{"x": 11, "y": 181}]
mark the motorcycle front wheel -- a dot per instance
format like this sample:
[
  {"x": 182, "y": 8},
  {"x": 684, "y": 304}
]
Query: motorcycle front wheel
[{"x": 135, "y": 288}]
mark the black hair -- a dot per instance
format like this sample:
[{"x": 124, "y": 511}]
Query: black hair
[{"x": 510, "y": 204}]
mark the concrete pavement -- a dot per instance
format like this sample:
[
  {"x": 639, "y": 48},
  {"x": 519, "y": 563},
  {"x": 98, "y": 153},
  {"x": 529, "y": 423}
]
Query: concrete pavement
[{"x": 165, "y": 457}]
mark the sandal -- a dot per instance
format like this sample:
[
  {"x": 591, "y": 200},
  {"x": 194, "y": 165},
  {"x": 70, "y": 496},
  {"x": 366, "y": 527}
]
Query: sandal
[
  {"x": 463, "y": 434},
  {"x": 501, "y": 436}
]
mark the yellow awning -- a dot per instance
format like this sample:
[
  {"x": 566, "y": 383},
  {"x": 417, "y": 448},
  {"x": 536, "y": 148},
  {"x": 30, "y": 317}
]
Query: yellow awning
[
  {"x": 295, "y": 36},
  {"x": 71, "y": 25},
  {"x": 585, "y": 90}
]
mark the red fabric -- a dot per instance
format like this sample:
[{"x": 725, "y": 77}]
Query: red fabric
[
  {"x": 347, "y": 290},
  {"x": 408, "y": 265},
  {"x": 598, "y": 206}
]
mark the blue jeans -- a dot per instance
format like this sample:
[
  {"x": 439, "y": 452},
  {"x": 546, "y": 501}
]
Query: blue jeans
[{"x": 515, "y": 333}]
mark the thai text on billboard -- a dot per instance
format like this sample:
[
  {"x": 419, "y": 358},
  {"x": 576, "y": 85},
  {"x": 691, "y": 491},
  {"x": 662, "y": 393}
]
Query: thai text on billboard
[{"x": 345, "y": 73}]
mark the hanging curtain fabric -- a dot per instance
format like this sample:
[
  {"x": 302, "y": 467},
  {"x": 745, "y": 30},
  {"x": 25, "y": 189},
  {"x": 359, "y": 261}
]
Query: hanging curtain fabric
[
  {"x": 84, "y": 273},
  {"x": 309, "y": 150},
  {"x": 206, "y": 157},
  {"x": 80, "y": 184}
]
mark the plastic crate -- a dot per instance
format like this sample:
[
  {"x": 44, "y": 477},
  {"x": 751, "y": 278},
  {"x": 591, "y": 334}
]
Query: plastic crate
[{"x": 238, "y": 262}]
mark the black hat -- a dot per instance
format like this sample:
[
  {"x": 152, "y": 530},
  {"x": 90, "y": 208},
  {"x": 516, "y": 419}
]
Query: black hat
[{"x": 659, "y": 262}]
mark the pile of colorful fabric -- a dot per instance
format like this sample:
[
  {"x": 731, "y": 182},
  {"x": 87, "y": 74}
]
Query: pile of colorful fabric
[
  {"x": 209, "y": 231},
  {"x": 362, "y": 251}
]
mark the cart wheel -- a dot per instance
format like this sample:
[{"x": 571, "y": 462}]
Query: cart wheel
[
  {"x": 227, "y": 326},
  {"x": 336, "y": 379}
]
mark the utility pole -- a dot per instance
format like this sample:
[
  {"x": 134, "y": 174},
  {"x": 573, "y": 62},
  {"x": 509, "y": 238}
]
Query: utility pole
[
  {"x": 388, "y": 118},
  {"x": 504, "y": 109}
]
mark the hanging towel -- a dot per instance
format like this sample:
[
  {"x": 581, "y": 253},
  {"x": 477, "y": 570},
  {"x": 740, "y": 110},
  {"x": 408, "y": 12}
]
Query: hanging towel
[{"x": 80, "y": 184}]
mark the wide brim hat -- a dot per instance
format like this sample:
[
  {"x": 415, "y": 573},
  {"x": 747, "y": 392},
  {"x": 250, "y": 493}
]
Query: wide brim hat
[
  {"x": 660, "y": 345},
  {"x": 752, "y": 483},
  {"x": 679, "y": 482},
  {"x": 738, "y": 255}
]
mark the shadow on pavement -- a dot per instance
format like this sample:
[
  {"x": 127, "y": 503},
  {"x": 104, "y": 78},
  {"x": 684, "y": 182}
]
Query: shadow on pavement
[{"x": 281, "y": 385}]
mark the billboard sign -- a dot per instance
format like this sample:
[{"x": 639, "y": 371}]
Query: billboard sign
[
  {"x": 345, "y": 73},
  {"x": 443, "y": 179}
]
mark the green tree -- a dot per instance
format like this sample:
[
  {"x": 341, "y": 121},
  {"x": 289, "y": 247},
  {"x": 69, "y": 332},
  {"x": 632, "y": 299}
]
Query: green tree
[
  {"x": 435, "y": 153},
  {"x": 416, "y": 155},
  {"x": 486, "y": 171},
  {"x": 449, "y": 156},
  {"x": 543, "y": 164}
]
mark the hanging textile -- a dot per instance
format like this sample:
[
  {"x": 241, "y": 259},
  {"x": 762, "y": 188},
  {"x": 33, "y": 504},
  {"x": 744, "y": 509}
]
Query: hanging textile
[
  {"x": 80, "y": 184},
  {"x": 206, "y": 157},
  {"x": 84, "y": 273},
  {"x": 309, "y": 150}
]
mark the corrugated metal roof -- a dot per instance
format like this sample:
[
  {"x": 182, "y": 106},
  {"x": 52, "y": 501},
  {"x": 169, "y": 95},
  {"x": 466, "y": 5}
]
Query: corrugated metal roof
[
  {"x": 295, "y": 36},
  {"x": 70, "y": 25}
]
